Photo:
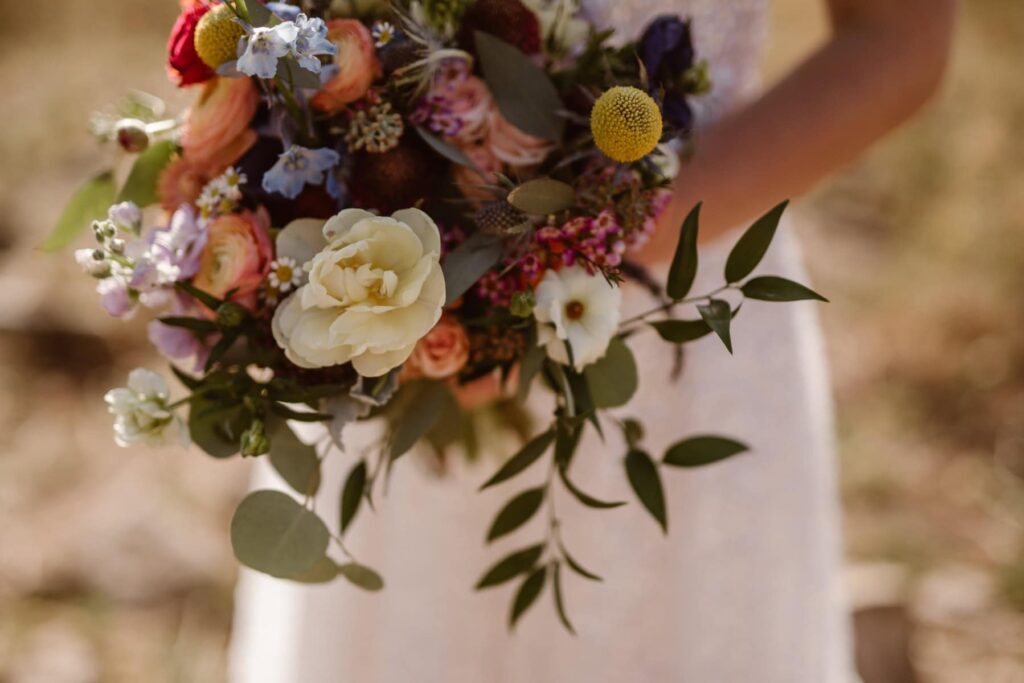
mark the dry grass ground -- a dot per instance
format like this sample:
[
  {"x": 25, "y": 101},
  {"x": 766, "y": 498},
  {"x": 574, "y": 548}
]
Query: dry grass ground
[{"x": 113, "y": 564}]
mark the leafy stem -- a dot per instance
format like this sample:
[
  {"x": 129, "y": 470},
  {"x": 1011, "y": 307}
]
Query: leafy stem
[{"x": 640, "y": 317}]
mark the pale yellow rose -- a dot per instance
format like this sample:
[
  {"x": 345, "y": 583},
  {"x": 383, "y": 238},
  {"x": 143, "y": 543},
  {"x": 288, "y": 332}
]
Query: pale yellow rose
[{"x": 373, "y": 292}]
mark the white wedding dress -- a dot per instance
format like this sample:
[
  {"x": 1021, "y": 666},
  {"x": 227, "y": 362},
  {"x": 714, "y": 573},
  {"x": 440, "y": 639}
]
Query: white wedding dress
[{"x": 744, "y": 589}]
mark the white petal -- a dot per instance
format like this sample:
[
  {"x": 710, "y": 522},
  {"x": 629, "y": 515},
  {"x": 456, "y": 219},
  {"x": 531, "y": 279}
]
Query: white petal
[
  {"x": 301, "y": 240},
  {"x": 378, "y": 364},
  {"x": 424, "y": 227},
  {"x": 338, "y": 226}
]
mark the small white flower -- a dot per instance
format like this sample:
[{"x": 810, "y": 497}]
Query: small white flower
[
  {"x": 126, "y": 215},
  {"x": 578, "y": 309},
  {"x": 94, "y": 262},
  {"x": 141, "y": 412},
  {"x": 264, "y": 46},
  {"x": 383, "y": 33},
  {"x": 285, "y": 274}
]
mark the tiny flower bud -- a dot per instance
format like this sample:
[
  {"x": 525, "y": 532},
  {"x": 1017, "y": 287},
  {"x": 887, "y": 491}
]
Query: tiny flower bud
[
  {"x": 633, "y": 431},
  {"x": 230, "y": 314},
  {"x": 523, "y": 303},
  {"x": 254, "y": 440},
  {"x": 131, "y": 135},
  {"x": 116, "y": 246}
]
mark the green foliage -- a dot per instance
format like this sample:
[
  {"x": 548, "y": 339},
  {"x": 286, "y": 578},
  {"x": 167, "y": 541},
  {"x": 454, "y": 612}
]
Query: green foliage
[
  {"x": 296, "y": 462},
  {"x": 684, "y": 264},
  {"x": 361, "y": 576},
  {"x": 751, "y": 247},
  {"x": 542, "y": 196},
  {"x": 215, "y": 426},
  {"x": 527, "y": 455},
  {"x": 324, "y": 571},
  {"x": 88, "y": 204},
  {"x": 527, "y": 594},
  {"x": 416, "y": 409},
  {"x": 773, "y": 288},
  {"x": 681, "y": 331},
  {"x": 516, "y": 513},
  {"x": 717, "y": 314},
  {"x": 448, "y": 151},
  {"x": 532, "y": 362},
  {"x": 140, "y": 186},
  {"x": 577, "y": 567},
  {"x": 585, "y": 498},
  {"x": 613, "y": 379},
  {"x": 467, "y": 263},
  {"x": 352, "y": 494},
  {"x": 521, "y": 89},
  {"x": 511, "y": 566},
  {"x": 272, "y": 533},
  {"x": 556, "y": 585},
  {"x": 702, "y": 450},
  {"x": 646, "y": 482}
]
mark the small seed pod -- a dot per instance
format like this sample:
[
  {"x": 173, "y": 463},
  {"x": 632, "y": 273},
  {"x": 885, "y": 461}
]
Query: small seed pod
[{"x": 131, "y": 135}]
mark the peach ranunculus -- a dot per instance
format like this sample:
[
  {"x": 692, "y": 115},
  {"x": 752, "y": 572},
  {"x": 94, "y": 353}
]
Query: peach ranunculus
[
  {"x": 440, "y": 354},
  {"x": 356, "y": 63},
  {"x": 179, "y": 183},
  {"x": 469, "y": 181},
  {"x": 217, "y": 132},
  {"x": 471, "y": 101},
  {"x": 513, "y": 146},
  {"x": 236, "y": 256}
]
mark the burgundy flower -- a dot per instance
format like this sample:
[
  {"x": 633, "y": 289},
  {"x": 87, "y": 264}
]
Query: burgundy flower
[{"x": 183, "y": 63}]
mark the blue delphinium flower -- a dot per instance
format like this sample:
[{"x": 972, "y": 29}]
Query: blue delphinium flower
[
  {"x": 264, "y": 47},
  {"x": 297, "y": 167},
  {"x": 310, "y": 42}
]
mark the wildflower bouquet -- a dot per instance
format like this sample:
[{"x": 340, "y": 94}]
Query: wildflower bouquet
[{"x": 399, "y": 212}]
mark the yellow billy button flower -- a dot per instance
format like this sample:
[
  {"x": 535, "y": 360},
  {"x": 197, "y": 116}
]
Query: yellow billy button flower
[
  {"x": 625, "y": 123},
  {"x": 217, "y": 36}
]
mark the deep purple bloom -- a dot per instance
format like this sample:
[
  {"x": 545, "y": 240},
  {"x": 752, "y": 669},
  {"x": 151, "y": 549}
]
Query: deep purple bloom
[{"x": 666, "y": 50}]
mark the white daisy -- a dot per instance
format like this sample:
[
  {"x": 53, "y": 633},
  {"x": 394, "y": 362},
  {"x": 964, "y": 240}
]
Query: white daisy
[{"x": 285, "y": 274}]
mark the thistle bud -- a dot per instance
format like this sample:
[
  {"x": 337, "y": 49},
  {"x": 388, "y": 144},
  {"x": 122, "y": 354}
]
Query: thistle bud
[
  {"x": 230, "y": 314},
  {"x": 254, "y": 440},
  {"x": 131, "y": 135}
]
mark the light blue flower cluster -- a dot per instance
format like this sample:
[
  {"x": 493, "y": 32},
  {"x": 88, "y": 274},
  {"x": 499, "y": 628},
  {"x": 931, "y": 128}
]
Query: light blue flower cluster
[
  {"x": 297, "y": 167},
  {"x": 303, "y": 39}
]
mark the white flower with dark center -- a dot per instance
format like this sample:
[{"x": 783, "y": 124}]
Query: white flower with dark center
[
  {"x": 285, "y": 274},
  {"x": 142, "y": 413},
  {"x": 383, "y": 32},
  {"x": 576, "y": 309}
]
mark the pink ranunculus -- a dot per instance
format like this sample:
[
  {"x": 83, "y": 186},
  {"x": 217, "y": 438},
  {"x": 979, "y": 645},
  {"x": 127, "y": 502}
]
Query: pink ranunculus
[
  {"x": 471, "y": 101},
  {"x": 442, "y": 353},
  {"x": 179, "y": 183},
  {"x": 236, "y": 256},
  {"x": 469, "y": 181},
  {"x": 356, "y": 64},
  {"x": 217, "y": 132},
  {"x": 513, "y": 146}
]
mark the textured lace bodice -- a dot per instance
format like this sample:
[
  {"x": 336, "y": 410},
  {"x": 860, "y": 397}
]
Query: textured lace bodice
[{"x": 729, "y": 34}]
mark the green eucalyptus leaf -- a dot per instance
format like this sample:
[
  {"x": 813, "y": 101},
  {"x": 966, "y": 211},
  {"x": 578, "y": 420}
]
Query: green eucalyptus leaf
[
  {"x": 362, "y": 576},
  {"x": 613, "y": 379},
  {"x": 511, "y": 566},
  {"x": 527, "y": 455},
  {"x": 449, "y": 152},
  {"x": 296, "y": 462},
  {"x": 422, "y": 404},
  {"x": 324, "y": 571},
  {"x": 467, "y": 263},
  {"x": 646, "y": 482},
  {"x": 140, "y": 186},
  {"x": 216, "y": 427},
  {"x": 751, "y": 247},
  {"x": 717, "y": 314},
  {"x": 301, "y": 240},
  {"x": 681, "y": 331},
  {"x": 88, "y": 204},
  {"x": 542, "y": 196},
  {"x": 352, "y": 494},
  {"x": 586, "y": 498},
  {"x": 556, "y": 585},
  {"x": 773, "y": 288},
  {"x": 702, "y": 450},
  {"x": 533, "y": 361},
  {"x": 516, "y": 513},
  {"x": 522, "y": 90},
  {"x": 272, "y": 533},
  {"x": 527, "y": 594},
  {"x": 684, "y": 264}
]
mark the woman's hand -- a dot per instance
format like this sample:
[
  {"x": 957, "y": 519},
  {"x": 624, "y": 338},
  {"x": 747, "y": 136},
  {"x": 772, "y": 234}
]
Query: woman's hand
[{"x": 884, "y": 60}]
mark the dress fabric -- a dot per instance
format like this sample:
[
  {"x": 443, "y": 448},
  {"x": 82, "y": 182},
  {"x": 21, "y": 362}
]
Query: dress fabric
[{"x": 744, "y": 589}]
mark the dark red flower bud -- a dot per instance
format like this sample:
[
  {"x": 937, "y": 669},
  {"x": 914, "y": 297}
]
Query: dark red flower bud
[{"x": 183, "y": 63}]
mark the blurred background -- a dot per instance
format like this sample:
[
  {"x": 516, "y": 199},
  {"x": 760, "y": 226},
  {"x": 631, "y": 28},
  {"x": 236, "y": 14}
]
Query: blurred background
[{"x": 115, "y": 565}]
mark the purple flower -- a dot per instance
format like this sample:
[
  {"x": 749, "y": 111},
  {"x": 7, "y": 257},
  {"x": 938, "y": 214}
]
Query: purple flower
[
  {"x": 177, "y": 343},
  {"x": 666, "y": 50},
  {"x": 115, "y": 297}
]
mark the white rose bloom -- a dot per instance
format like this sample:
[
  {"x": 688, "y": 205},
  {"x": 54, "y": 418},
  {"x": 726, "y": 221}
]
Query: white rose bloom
[
  {"x": 581, "y": 309},
  {"x": 373, "y": 292},
  {"x": 141, "y": 414}
]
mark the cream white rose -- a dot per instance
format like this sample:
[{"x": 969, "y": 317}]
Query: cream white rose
[
  {"x": 578, "y": 309},
  {"x": 373, "y": 292}
]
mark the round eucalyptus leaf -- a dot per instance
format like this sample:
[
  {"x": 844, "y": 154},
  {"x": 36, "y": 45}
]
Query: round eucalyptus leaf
[
  {"x": 272, "y": 533},
  {"x": 613, "y": 379},
  {"x": 542, "y": 196},
  {"x": 362, "y": 576}
]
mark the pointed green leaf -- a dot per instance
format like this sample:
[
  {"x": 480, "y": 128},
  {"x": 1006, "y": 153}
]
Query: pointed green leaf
[
  {"x": 216, "y": 428},
  {"x": 511, "y": 566},
  {"x": 361, "y": 576},
  {"x": 521, "y": 89},
  {"x": 272, "y": 533},
  {"x": 527, "y": 594},
  {"x": 467, "y": 263},
  {"x": 718, "y": 315},
  {"x": 140, "y": 186},
  {"x": 352, "y": 494},
  {"x": 751, "y": 247},
  {"x": 200, "y": 325},
  {"x": 773, "y": 288},
  {"x": 556, "y": 585},
  {"x": 516, "y": 513},
  {"x": 567, "y": 439},
  {"x": 296, "y": 462},
  {"x": 527, "y": 455},
  {"x": 577, "y": 567},
  {"x": 531, "y": 364},
  {"x": 646, "y": 482},
  {"x": 684, "y": 263},
  {"x": 88, "y": 204},
  {"x": 681, "y": 331},
  {"x": 422, "y": 403},
  {"x": 449, "y": 152},
  {"x": 702, "y": 450},
  {"x": 542, "y": 196},
  {"x": 613, "y": 378},
  {"x": 324, "y": 571},
  {"x": 586, "y": 498}
]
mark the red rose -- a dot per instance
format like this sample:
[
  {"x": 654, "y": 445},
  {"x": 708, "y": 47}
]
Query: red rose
[{"x": 183, "y": 63}]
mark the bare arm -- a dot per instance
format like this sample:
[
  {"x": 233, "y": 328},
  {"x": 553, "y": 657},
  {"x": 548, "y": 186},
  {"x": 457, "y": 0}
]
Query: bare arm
[{"x": 884, "y": 60}]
